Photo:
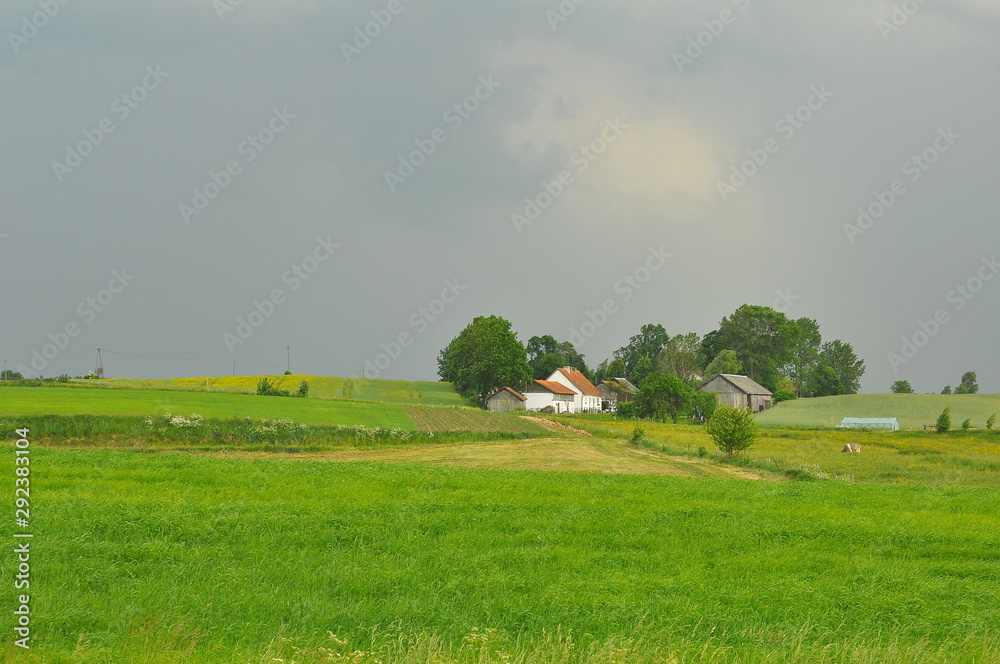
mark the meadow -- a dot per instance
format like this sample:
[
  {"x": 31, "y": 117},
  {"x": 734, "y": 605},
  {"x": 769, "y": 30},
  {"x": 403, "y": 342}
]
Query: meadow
[
  {"x": 912, "y": 410},
  {"x": 274, "y": 529},
  {"x": 320, "y": 387},
  {"x": 169, "y": 558}
]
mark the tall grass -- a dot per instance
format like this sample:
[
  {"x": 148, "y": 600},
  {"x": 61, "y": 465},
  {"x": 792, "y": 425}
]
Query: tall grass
[{"x": 408, "y": 561}]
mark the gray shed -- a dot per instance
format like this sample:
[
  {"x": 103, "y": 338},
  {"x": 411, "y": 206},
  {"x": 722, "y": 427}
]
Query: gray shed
[
  {"x": 505, "y": 400},
  {"x": 739, "y": 391}
]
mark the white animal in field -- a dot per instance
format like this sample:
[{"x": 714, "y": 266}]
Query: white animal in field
[{"x": 851, "y": 448}]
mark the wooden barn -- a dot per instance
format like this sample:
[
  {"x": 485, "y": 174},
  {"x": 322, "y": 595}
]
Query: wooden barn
[
  {"x": 505, "y": 400},
  {"x": 739, "y": 391},
  {"x": 616, "y": 391}
]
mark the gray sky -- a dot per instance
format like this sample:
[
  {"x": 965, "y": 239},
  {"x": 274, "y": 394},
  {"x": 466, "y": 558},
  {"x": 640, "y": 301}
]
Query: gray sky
[{"x": 666, "y": 162}]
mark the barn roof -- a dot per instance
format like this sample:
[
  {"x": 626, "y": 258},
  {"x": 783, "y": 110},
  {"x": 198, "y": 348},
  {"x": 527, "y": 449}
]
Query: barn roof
[
  {"x": 626, "y": 384},
  {"x": 511, "y": 390},
  {"x": 744, "y": 384},
  {"x": 555, "y": 388},
  {"x": 580, "y": 381}
]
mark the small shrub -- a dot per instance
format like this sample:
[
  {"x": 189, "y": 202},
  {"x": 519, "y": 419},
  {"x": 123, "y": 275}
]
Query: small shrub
[
  {"x": 638, "y": 436},
  {"x": 991, "y": 421},
  {"x": 966, "y": 425},
  {"x": 266, "y": 388},
  {"x": 944, "y": 421},
  {"x": 702, "y": 451},
  {"x": 732, "y": 429},
  {"x": 303, "y": 389},
  {"x": 783, "y": 395}
]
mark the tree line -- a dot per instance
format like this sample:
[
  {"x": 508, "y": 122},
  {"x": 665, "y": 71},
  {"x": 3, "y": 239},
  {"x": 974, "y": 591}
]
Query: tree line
[{"x": 787, "y": 356}]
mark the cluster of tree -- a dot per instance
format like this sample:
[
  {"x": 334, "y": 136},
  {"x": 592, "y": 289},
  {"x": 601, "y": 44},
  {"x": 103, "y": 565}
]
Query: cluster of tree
[
  {"x": 789, "y": 357},
  {"x": 267, "y": 388},
  {"x": 969, "y": 385},
  {"x": 664, "y": 397}
]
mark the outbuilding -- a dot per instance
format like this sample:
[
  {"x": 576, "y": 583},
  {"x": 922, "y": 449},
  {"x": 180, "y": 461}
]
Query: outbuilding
[
  {"x": 739, "y": 391},
  {"x": 505, "y": 400}
]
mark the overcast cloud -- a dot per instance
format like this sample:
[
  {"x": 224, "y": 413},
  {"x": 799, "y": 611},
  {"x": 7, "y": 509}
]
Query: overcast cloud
[{"x": 209, "y": 160}]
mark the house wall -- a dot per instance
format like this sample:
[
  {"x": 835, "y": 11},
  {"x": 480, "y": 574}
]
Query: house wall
[
  {"x": 539, "y": 400},
  {"x": 584, "y": 403}
]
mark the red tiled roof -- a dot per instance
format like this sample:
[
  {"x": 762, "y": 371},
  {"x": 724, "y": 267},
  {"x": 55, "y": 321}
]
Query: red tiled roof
[
  {"x": 555, "y": 388},
  {"x": 577, "y": 378}
]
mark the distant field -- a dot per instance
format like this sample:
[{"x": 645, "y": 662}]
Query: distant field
[
  {"x": 912, "y": 410},
  {"x": 453, "y": 419},
  {"x": 322, "y": 387},
  {"x": 16, "y": 401},
  {"x": 888, "y": 457}
]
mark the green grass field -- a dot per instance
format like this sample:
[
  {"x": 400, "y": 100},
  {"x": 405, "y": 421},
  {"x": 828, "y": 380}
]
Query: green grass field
[
  {"x": 77, "y": 401},
  {"x": 912, "y": 410},
  {"x": 178, "y": 558},
  {"x": 321, "y": 387},
  {"x": 212, "y": 545}
]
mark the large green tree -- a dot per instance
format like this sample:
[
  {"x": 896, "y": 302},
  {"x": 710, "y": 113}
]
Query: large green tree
[
  {"x": 725, "y": 362},
  {"x": 969, "y": 384},
  {"x": 650, "y": 342},
  {"x": 661, "y": 396},
  {"x": 805, "y": 355},
  {"x": 680, "y": 357},
  {"x": 486, "y": 355},
  {"x": 849, "y": 368},
  {"x": 763, "y": 340},
  {"x": 545, "y": 355}
]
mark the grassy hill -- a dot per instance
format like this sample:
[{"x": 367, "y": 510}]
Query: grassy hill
[
  {"x": 321, "y": 387},
  {"x": 912, "y": 410}
]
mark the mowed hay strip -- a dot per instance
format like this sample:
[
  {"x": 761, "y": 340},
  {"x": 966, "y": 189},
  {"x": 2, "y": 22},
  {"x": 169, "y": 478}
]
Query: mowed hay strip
[{"x": 451, "y": 419}]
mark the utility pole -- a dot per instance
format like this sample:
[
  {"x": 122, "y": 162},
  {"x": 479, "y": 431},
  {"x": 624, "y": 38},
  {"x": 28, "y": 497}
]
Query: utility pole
[
  {"x": 288, "y": 358},
  {"x": 99, "y": 370},
  {"x": 5, "y": 369}
]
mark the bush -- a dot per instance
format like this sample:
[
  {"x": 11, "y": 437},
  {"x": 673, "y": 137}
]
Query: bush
[
  {"x": 732, "y": 429},
  {"x": 991, "y": 421},
  {"x": 304, "y": 388},
  {"x": 944, "y": 421},
  {"x": 783, "y": 395},
  {"x": 266, "y": 388},
  {"x": 702, "y": 451},
  {"x": 638, "y": 436},
  {"x": 966, "y": 425},
  {"x": 625, "y": 410}
]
